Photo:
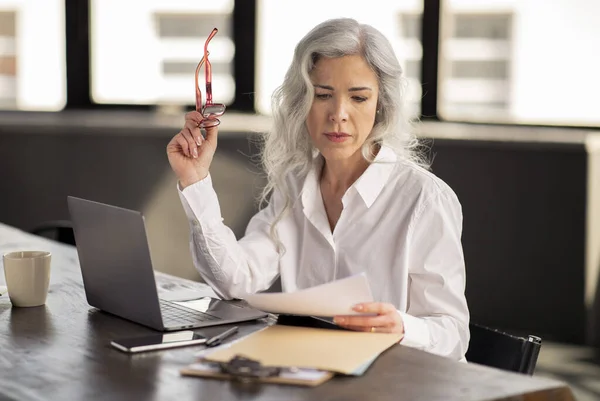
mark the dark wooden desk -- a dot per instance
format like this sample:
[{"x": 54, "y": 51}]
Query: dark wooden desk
[{"x": 61, "y": 351}]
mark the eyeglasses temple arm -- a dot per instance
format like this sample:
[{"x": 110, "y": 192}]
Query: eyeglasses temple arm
[
  {"x": 208, "y": 73},
  {"x": 198, "y": 92},
  {"x": 208, "y": 68}
]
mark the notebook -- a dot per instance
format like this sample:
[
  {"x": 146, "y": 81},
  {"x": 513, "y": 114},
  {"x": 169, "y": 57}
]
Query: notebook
[{"x": 118, "y": 276}]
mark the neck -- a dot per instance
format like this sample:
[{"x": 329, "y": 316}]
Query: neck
[{"x": 339, "y": 175}]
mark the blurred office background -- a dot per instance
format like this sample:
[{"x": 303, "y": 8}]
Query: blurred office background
[{"x": 506, "y": 92}]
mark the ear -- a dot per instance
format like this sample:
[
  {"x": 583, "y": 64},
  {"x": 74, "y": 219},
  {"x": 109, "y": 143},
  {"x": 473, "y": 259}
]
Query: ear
[{"x": 378, "y": 116}]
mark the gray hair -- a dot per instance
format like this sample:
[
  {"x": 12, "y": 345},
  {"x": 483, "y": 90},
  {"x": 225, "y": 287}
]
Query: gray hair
[{"x": 287, "y": 148}]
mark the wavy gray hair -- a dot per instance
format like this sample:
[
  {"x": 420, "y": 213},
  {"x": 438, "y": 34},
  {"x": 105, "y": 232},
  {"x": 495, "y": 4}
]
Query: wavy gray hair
[{"x": 287, "y": 148}]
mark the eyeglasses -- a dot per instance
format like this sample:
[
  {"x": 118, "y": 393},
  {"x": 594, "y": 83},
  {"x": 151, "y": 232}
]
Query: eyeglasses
[{"x": 210, "y": 111}]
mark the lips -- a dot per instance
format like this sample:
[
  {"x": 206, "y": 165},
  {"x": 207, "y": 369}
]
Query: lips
[
  {"x": 337, "y": 137},
  {"x": 337, "y": 134}
]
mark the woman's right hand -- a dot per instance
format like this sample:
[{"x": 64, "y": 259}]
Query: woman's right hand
[{"x": 190, "y": 154}]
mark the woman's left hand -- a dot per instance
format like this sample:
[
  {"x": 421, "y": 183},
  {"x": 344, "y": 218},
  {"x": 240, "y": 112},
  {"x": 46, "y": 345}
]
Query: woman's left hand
[{"x": 385, "y": 319}]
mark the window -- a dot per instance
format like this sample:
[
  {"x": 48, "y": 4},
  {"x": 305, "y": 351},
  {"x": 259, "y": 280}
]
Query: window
[
  {"x": 32, "y": 55},
  {"x": 146, "y": 52},
  {"x": 8, "y": 60},
  {"x": 477, "y": 64},
  {"x": 520, "y": 61},
  {"x": 281, "y": 24},
  {"x": 409, "y": 29}
]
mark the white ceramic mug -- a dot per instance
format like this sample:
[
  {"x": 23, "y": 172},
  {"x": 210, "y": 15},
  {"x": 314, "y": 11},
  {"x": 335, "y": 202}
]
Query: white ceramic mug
[{"x": 27, "y": 277}]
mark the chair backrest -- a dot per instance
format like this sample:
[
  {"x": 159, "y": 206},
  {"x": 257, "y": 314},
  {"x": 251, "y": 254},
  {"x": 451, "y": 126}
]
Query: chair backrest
[{"x": 502, "y": 350}]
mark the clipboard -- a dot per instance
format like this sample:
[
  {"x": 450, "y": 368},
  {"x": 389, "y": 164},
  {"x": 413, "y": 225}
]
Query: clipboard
[
  {"x": 298, "y": 350},
  {"x": 338, "y": 351},
  {"x": 248, "y": 370}
]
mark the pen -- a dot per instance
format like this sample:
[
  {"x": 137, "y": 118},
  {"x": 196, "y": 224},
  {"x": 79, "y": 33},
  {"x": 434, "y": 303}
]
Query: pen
[{"x": 216, "y": 340}]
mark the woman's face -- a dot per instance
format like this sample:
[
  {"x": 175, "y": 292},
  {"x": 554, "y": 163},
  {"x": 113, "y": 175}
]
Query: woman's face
[{"x": 344, "y": 107}]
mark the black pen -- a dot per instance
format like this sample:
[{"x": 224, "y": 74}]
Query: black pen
[{"x": 216, "y": 340}]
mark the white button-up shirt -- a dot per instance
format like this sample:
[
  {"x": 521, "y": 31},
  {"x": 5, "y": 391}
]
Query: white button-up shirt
[{"x": 400, "y": 224}]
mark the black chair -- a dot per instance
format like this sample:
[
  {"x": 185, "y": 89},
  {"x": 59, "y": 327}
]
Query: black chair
[
  {"x": 58, "y": 230},
  {"x": 501, "y": 350}
]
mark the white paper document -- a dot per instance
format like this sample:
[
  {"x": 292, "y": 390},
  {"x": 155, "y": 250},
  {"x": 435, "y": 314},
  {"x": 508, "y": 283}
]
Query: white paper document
[
  {"x": 330, "y": 299},
  {"x": 188, "y": 294}
]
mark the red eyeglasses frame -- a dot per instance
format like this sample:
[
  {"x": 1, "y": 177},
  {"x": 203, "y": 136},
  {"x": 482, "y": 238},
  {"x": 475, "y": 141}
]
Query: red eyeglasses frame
[{"x": 210, "y": 111}]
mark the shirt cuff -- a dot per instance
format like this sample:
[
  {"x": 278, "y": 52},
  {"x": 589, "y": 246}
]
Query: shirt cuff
[
  {"x": 416, "y": 332},
  {"x": 200, "y": 201}
]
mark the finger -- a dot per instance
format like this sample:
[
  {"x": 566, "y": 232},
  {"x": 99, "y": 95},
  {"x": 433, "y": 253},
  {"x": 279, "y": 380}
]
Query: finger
[
  {"x": 380, "y": 308},
  {"x": 187, "y": 133},
  {"x": 195, "y": 142},
  {"x": 212, "y": 134},
  {"x": 386, "y": 320},
  {"x": 194, "y": 116},
  {"x": 370, "y": 329},
  {"x": 183, "y": 144},
  {"x": 195, "y": 132}
]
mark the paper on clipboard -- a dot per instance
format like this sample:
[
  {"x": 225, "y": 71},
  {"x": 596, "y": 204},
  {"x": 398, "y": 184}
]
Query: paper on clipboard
[{"x": 330, "y": 299}]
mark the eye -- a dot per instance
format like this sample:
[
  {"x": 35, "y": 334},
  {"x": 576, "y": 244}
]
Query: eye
[
  {"x": 322, "y": 96},
  {"x": 359, "y": 99}
]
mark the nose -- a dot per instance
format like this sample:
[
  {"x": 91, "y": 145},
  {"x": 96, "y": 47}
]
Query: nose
[{"x": 339, "y": 113}]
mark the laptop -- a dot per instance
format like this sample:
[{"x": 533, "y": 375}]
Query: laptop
[{"x": 118, "y": 276}]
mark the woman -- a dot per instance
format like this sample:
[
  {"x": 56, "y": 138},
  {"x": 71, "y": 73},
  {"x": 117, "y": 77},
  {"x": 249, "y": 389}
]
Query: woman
[{"x": 349, "y": 195}]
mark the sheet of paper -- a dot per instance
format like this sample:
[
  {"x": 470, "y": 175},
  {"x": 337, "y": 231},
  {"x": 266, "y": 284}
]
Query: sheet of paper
[
  {"x": 348, "y": 352},
  {"x": 330, "y": 299},
  {"x": 187, "y": 294}
]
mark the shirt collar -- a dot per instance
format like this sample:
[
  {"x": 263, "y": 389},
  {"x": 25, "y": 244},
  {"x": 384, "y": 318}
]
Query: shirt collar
[
  {"x": 310, "y": 189},
  {"x": 369, "y": 185}
]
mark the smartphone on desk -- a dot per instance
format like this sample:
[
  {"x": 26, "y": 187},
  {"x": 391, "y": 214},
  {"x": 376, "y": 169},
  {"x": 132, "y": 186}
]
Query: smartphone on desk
[{"x": 158, "y": 341}]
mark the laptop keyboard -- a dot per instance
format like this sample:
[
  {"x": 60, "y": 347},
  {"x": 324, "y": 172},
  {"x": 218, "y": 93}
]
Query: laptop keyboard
[{"x": 175, "y": 315}]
